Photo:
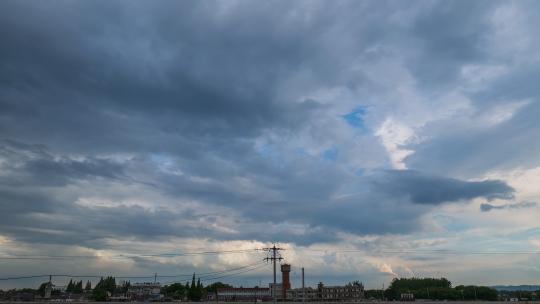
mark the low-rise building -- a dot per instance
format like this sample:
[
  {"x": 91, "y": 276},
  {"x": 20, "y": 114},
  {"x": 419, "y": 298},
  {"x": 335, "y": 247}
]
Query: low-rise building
[
  {"x": 407, "y": 297},
  {"x": 297, "y": 294},
  {"x": 244, "y": 294},
  {"x": 145, "y": 292},
  {"x": 350, "y": 292},
  {"x": 276, "y": 291}
]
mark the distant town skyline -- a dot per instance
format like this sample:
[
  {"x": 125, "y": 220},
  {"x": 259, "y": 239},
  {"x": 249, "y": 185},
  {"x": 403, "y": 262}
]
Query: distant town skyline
[{"x": 369, "y": 139}]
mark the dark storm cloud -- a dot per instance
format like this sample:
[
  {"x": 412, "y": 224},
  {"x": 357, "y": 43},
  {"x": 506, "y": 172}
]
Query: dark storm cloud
[
  {"x": 520, "y": 205},
  {"x": 30, "y": 165},
  {"x": 395, "y": 201},
  {"x": 100, "y": 94},
  {"x": 38, "y": 219},
  {"x": 432, "y": 190},
  {"x": 114, "y": 84},
  {"x": 309, "y": 207}
]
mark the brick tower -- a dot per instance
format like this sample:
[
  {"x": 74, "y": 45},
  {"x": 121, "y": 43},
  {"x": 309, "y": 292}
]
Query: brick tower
[{"x": 285, "y": 282}]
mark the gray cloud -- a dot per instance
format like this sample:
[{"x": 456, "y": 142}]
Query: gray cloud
[
  {"x": 429, "y": 189},
  {"x": 468, "y": 145},
  {"x": 212, "y": 120},
  {"x": 446, "y": 44},
  {"x": 143, "y": 96},
  {"x": 300, "y": 208},
  {"x": 468, "y": 152},
  {"x": 26, "y": 165},
  {"x": 488, "y": 207}
]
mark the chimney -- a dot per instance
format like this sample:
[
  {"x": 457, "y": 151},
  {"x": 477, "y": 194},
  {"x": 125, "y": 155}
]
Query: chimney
[{"x": 285, "y": 283}]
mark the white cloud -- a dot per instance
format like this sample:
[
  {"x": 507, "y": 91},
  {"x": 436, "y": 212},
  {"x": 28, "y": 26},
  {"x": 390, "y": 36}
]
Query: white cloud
[
  {"x": 386, "y": 268},
  {"x": 394, "y": 136}
]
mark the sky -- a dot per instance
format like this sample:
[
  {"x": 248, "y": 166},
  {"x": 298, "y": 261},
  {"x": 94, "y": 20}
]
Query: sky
[{"x": 370, "y": 139}]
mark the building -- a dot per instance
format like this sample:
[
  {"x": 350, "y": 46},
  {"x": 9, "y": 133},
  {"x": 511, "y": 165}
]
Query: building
[
  {"x": 244, "y": 294},
  {"x": 350, "y": 292},
  {"x": 297, "y": 294},
  {"x": 407, "y": 297},
  {"x": 276, "y": 291},
  {"x": 145, "y": 292}
]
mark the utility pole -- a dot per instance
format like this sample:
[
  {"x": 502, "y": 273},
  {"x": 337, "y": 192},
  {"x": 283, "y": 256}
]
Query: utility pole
[
  {"x": 155, "y": 277},
  {"x": 303, "y": 287},
  {"x": 274, "y": 250},
  {"x": 274, "y": 257}
]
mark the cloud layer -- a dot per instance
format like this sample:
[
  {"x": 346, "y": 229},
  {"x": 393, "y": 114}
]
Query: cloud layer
[{"x": 306, "y": 123}]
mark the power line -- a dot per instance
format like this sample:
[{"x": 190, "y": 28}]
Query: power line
[
  {"x": 24, "y": 277},
  {"x": 430, "y": 251},
  {"x": 204, "y": 274},
  {"x": 229, "y": 270},
  {"x": 234, "y": 274},
  {"x": 457, "y": 252},
  {"x": 223, "y": 276},
  {"x": 202, "y": 252},
  {"x": 125, "y": 256}
]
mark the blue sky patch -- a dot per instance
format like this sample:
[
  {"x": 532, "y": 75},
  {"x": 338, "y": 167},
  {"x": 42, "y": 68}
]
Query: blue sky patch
[
  {"x": 356, "y": 117},
  {"x": 330, "y": 154}
]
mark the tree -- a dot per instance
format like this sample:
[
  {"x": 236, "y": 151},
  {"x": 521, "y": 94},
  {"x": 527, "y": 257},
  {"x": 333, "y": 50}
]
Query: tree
[
  {"x": 123, "y": 287},
  {"x": 195, "y": 291},
  {"x": 176, "y": 291},
  {"x": 77, "y": 287},
  {"x": 200, "y": 290},
  {"x": 438, "y": 289},
  {"x": 477, "y": 293},
  {"x": 70, "y": 286},
  {"x": 374, "y": 294},
  {"x": 88, "y": 286},
  {"x": 193, "y": 282},
  {"x": 104, "y": 286},
  {"x": 212, "y": 288},
  {"x": 42, "y": 287},
  {"x": 99, "y": 295}
]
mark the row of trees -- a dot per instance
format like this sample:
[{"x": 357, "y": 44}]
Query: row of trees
[
  {"x": 431, "y": 288},
  {"x": 77, "y": 287},
  {"x": 178, "y": 291},
  {"x": 192, "y": 292},
  {"x": 107, "y": 286}
]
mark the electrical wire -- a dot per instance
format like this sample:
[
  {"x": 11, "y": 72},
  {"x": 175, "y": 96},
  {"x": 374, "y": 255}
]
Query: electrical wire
[
  {"x": 234, "y": 274},
  {"x": 201, "y": 275},
  {"x": 24, "y": 277},
  {"x": 430, "y": 251},
  {"x": 125, "y": 256}
]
